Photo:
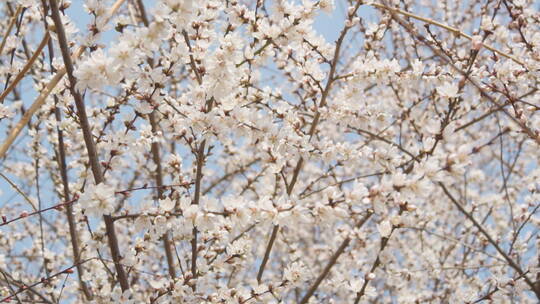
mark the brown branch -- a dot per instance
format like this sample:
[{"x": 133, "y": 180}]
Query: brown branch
[
  {"x": 332, "y": 261},
  {"x": 61, "y": 159},
  {"x": 6, "y": 279},
  {"x": 296, "y": 172},
  {"x": 10, "y": 280},
  {"x": 10, "y": 26},
  {"x": 75, "y": 199},
  {"x": 267, "y": 252},
  {"x": 159, "y": 182},
  {"x": 40, "y": 100},
  {"x": 376, "y": 264},
  {"x": 26, "y": 67},
  {"x": 510, "y": 262},
  {"x": 389, "y": 142},
  {"x": 191, "y": 58},
  {"x": 25, "y": 214},
  {"x": 69, "y": 208},
  {"x": 24, "y": 287},
  {"x": 88, "y": 139},
  {"x": 489, "y": 295},
  {"x": 228, "y": 175},
  {"x": 157, "y": 160},
  {"x": 455, "y": 31},
  {"x": 200, "y": 162},
  {"x": 531, "y": 133},
  {"x": 196, "y": 199}
]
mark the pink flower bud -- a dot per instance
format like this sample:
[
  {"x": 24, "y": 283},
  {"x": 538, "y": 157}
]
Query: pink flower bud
[{"x": 477, "y": 42}]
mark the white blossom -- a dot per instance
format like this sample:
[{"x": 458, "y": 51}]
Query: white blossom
[
  {"x": 448, "y": 90},
  {"x": 385, "y": 228},
  {"x": 269, "y": 151},
  {"x": 98, "y": 200}
]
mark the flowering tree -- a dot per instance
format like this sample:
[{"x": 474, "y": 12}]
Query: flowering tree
[{"x": 224, "y": 151}]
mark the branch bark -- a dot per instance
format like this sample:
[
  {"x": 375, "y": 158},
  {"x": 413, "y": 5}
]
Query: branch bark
[
  {"x": 200, "y": 163},
  {"x": 332, "y": 261},
  {"x": 509, "y": 260},
  {"x": 157, "y": 160},
  {"x": 26, "y": 67},
  {"x": 313, "y": 128},
  {"x": 89, "y": 141},
  {"x": 40, "y": 100}
]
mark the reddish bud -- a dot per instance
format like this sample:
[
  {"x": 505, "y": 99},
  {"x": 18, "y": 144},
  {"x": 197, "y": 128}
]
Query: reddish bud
[{"x": 24, "y": 214}]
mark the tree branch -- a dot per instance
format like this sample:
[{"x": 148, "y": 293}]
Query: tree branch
[
  {"x": 510, "y": 262},
  {"x": 296, "y": 172},
  {"x": 89, "y": 141},
  {"x": 332, "y": 261}
]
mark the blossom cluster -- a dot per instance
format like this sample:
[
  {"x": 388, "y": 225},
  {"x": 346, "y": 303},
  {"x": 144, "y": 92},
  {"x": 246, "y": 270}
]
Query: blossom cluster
[{"x": 212, "y": 151}]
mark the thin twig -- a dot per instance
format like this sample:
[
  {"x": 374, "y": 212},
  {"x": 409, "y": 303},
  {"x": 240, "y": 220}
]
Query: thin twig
[
  {"x": 42, "y": 281},
  {"x": 157, "y": 160},
  {"x": 10, "y": 26},
  {"x": 332, "y": 261},
  {"x": 509, "y": 260},
  {"x": 200, "y": 158},
  {"x": 446, "y": 27},
  {"x": 14, "y": 186},
  {"x": 296, "y": 172},
  {"x": 40, "y": 100},
  {"x": 26, "y": 67},
  {"x": 532, "y": 134},
  {"x": 10, "y": 287},
  {"x": 376, "y": 264}
]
